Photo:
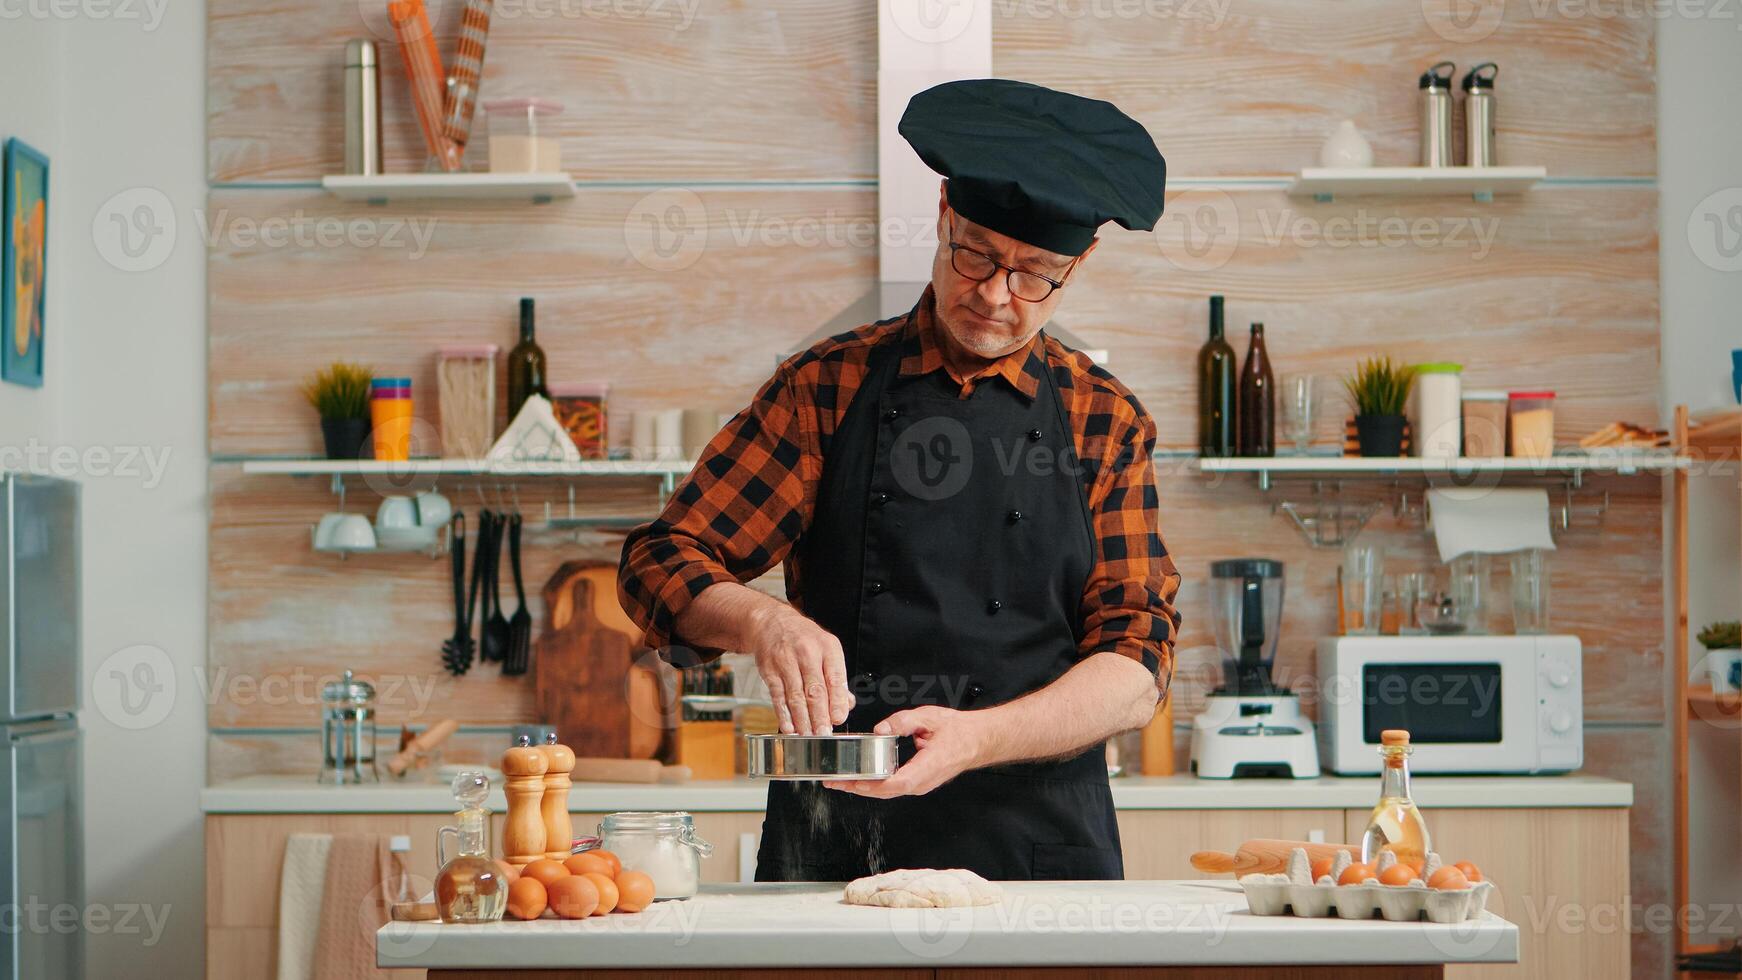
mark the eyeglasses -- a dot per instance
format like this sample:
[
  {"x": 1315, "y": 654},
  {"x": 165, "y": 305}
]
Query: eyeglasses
[{"x": 1030, "y": 287}]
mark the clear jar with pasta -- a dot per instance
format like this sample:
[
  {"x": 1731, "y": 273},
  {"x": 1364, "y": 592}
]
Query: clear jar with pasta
[{"x": 466, "y": 392}]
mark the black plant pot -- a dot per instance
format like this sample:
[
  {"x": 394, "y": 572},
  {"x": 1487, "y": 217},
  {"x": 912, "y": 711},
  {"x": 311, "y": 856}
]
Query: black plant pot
[
  {"x": 1380, "y": 435},
  {"x": 344, "y": 437}
]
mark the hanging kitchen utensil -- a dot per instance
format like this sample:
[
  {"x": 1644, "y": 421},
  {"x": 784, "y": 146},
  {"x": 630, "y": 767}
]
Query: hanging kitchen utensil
[
  {"x": 493, "y": 642},
  {"x": 520, "y": 627},
  {"x": 486, "y": 527},
  {"x": 457, "y": 651}
]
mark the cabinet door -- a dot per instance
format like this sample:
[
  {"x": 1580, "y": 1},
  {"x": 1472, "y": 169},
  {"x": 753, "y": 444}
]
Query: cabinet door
[
  {"x": 1560, "y": 875},
  {"x": 1159, "y": 843}
]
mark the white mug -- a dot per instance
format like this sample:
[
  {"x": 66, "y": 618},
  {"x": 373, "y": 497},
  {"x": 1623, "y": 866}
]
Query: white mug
[{"x": 397, "y": 513}]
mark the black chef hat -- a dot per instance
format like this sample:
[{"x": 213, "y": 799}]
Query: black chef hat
[{"x": 1044, "y": 167}]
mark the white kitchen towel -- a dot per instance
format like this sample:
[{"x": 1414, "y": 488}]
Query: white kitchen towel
[
  {"x": 301, "y": 883},
  {"x": 1488, "y": 520}
]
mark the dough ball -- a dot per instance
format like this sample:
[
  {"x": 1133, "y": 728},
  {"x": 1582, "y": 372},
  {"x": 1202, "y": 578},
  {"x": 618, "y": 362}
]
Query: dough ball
[{"x": 924, "y": 888}]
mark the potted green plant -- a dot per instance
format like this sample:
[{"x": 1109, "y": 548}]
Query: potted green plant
[
  {"x": 1379, "y": 390},
  {"x": 340, "y": 393},
  {"x": 1723, "y": 643}
]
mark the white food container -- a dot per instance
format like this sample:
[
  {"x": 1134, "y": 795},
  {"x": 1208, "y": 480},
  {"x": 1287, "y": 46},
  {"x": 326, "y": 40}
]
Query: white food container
[{"x": 660, "y": 844}]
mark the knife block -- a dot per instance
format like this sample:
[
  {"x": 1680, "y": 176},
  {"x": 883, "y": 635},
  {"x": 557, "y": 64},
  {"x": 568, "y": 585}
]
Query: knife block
[{"x": 708, "y": 748}]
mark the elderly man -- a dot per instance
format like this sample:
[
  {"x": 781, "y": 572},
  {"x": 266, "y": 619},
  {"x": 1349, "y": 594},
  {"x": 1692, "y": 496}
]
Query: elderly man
[{"x": 966, "y": 510}]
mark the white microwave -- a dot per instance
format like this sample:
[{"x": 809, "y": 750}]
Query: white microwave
[{"x": 1471, "y": 704}]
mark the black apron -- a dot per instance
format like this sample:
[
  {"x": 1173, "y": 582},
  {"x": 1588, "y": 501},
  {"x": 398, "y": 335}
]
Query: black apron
[{"x": 949, "y": 550}]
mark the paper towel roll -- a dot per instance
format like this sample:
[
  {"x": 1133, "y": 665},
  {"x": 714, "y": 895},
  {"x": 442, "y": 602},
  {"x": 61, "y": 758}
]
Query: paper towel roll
[
  {"x": 641, "y": 439},
  {"x": 1488, "y": 520}
]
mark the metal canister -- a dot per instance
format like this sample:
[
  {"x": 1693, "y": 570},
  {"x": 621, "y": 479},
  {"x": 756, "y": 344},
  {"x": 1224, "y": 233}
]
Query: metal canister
[
  {"x": 348, "y": 732},
  {"x": 362, "y": 108},
  {"x": 1479, "y": 114},
  {"x": 1436, "y": 115}
]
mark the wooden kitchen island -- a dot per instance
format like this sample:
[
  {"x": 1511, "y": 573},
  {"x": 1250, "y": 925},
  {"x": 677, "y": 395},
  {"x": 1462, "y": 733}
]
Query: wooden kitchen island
[{"x": 1117, "y": 928}]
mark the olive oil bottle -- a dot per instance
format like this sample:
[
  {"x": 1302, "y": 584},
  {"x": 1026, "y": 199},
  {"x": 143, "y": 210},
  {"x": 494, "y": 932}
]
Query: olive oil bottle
[{"x": 1395, "y": 824}]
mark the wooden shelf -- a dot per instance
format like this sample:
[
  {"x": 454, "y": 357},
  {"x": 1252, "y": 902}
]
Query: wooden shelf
[
  {"x": 1481, "y": 183},
  {"x": 1704, "y": 697},
  {"x": 464, "y": 467},
  {"x": 381, "y": 188},
  {"x": 1717, "y": 437}
]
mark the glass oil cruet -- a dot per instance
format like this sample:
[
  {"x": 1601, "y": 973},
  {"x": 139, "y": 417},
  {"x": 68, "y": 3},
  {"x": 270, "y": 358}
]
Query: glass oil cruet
[
  {"x": 1396, "y": 824},
  {"x": 469, "y": 888}
]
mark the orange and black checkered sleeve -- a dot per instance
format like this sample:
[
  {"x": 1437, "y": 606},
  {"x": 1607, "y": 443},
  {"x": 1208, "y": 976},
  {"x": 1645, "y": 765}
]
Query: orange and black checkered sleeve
[
  {"x": 734, "y": 517},
  {"x": 1128, "y": 604}
]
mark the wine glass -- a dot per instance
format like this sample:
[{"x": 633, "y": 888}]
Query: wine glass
[{"x": 1300, "y": 409}]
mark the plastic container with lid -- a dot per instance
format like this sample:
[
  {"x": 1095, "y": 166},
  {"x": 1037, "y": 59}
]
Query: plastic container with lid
[
  {"x": 1484, "y": 423},
  {"x": 466, "y": 396},
  {"x": 1531, "y": 415},
  {"x": 521, "y": 140},
  {"x": 1438, "y": 421}
]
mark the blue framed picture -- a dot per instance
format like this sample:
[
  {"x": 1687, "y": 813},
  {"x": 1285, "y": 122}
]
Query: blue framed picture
[{"x": 24, "y": 262}]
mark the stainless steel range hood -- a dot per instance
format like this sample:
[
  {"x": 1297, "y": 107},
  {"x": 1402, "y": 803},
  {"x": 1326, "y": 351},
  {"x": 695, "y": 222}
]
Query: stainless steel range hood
[{"x": 915, "y": 52}]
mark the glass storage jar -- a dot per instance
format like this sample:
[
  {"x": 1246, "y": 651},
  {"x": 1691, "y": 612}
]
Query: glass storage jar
[
  {"x": 661, "y": 844},
  {"x": 466, "y": 389}
]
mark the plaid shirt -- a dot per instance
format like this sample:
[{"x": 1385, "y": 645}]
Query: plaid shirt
[{"x": 752, "y": 493}]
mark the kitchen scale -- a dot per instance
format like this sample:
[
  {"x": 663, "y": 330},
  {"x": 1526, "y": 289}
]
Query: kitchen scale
[{"x": 1250, "y": 726}]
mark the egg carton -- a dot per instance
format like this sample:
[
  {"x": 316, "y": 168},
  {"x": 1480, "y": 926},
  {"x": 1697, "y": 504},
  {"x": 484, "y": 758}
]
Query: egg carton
[{"x": 1296, "y": 892}]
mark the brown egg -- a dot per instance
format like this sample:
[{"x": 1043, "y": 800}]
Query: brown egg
[
  {"x": 1397, "y": 874},
  {"x": 527, "y": 898},
  {"x": 616, "y": 864},
  {"x": 1471, "y": 872},
  {"x": 634, "y": 891},
  {"x": 1321, "y": 867},
  {"x": 573, "y": 897},
  {"x": 509, "y": 875},
  {"x": 1356, "y": 873},
  {"x": 1449, "y": 878},
  {"x": 588, "y": 861},
  {"x": 607, "y": 892},
  {"x": 544, "y": 871}
]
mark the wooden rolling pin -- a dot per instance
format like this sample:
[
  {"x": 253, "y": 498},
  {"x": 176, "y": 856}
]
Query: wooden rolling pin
[
  {"x": 627, "y": 771},
  {"x": 1266, "y": 856},
  {"x": 425, "y": 742}
]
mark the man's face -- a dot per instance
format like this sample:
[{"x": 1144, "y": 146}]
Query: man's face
[{"x": 983, "y": 318}]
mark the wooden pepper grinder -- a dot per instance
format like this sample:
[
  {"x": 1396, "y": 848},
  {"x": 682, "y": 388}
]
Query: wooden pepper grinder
[
  {"x": 559, "y": 830},
  {"x": 523, "y": 768}
]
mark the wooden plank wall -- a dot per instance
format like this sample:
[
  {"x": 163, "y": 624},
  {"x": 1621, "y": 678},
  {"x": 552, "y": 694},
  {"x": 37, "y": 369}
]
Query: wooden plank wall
[{"x": 744, "y": 131}]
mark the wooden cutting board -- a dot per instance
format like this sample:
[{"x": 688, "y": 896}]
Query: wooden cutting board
[{"x": 594, "y": 681}]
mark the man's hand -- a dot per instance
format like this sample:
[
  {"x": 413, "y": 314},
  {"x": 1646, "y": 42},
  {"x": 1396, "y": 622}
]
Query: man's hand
[
  {"x": 950, "y": 742},
  {"x": 804, "y": 668}
]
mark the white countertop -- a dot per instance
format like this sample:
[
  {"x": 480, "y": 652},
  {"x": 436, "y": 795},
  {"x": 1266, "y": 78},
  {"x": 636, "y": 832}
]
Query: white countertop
[
  {"x": 301, "y": 794},
  {"x": 1063, "y": 923}
]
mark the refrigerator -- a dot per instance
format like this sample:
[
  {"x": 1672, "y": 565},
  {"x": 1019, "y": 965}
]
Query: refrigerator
[{"x": 42, "y": 906}]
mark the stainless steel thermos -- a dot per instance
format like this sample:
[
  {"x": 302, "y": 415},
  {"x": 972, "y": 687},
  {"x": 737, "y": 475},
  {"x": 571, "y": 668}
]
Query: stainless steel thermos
[
  {"x": 1436, "y": 115},
  {"x": 362, "y": 108},
  {"x": 1479, "y": 115}
]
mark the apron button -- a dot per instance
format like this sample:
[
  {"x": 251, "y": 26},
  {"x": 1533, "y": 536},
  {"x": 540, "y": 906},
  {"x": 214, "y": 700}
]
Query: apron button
[
  {"x": 993, "y": 605},
  {"x": 974, "y": 692},
  {"x": 892, "y": 414},
  {"x": 877, "y": 587},
  {"x": 880, "y": 497},
  {"x": 1014, "y": 516},
  {"x": 1033, "y": 435}
]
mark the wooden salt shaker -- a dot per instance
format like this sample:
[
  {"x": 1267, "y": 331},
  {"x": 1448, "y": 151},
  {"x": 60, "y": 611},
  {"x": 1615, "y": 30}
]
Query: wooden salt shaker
[
  {"x": 559, "y": 829},
  {"x": 523, "y": 769}
]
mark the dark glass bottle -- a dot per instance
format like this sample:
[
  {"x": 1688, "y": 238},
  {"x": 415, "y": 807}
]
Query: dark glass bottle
[
  {"x": 1257, "y": 400},
  {"x": 525, "y": 364},
  {"x": 1216, "y": 389}
]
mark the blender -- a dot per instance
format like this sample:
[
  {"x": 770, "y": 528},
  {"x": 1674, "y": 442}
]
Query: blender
[{"x": 1249, "y": 726}]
